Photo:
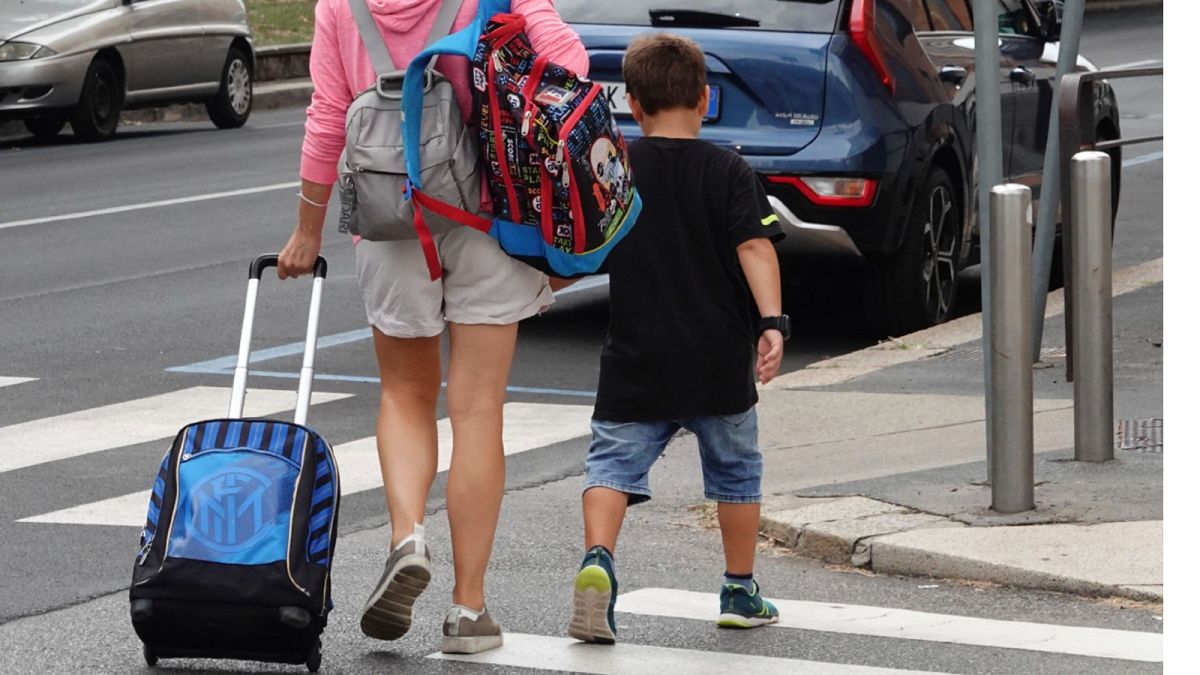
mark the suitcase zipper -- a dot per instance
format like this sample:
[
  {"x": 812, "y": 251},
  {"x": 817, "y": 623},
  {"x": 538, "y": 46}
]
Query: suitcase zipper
[{"x": 292, "y": 516}]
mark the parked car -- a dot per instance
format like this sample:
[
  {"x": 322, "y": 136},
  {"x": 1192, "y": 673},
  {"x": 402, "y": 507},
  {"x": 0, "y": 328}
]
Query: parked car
[
  {"x": 859, "y": 117},
  {"x": 84, "y": 61}
]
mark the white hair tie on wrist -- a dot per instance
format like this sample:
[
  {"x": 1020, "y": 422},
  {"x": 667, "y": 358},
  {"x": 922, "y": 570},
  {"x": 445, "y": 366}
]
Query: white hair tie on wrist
[{"x": 316, "y": 204}]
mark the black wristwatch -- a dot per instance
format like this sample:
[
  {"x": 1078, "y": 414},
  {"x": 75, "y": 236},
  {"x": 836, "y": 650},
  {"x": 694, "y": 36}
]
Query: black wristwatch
[{"x": 781, "y": 323}]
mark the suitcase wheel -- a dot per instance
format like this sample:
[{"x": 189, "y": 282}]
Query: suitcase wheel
[
  {"x": 314, "y": 657},
  {"x": 150, "y": 656}
]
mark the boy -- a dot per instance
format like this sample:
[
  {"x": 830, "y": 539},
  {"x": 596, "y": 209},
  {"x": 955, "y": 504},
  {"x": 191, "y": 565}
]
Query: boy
[{"x": 680, "y": 351}]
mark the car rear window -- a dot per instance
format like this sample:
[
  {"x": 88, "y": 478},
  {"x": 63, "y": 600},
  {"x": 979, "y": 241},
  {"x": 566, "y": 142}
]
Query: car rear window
[{"x": 798, "y": 16}]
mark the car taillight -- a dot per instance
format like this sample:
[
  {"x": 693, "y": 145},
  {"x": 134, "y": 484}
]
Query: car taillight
[
  {"x": 831, "y": 191},
  {"x": 862, "y": 32}
]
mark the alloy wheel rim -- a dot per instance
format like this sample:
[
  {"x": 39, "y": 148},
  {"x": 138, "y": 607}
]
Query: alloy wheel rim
[
  {"x": 939, "y": 246},
  {"x": 237, "y": 83}
]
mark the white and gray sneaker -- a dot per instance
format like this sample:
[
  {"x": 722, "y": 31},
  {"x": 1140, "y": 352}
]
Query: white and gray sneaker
[
  {"x": 466, "y": 631},
  {"x": 388, "y": 613}
]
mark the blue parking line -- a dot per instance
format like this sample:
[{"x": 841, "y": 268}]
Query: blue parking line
[
  {"x": 225, "y": 364},
  {"x": 365, "y": 378}
]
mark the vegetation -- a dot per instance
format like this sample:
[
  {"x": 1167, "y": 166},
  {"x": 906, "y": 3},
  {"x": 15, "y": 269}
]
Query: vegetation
[{"x": 279, "y": 22}]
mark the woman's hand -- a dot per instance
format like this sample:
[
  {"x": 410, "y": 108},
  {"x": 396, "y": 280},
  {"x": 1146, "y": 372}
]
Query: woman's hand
[{"x": 300, "y": 254}]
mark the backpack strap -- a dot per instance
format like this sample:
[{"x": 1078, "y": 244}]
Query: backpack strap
[{"x": 381, "y": 58}]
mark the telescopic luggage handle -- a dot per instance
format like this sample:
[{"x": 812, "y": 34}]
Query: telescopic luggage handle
[{"x": 304, "y": 394}]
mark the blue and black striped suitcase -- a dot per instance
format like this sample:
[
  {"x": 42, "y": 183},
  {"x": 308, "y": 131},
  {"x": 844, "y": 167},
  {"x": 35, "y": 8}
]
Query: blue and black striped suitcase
[{"x": 236, "y": 553}]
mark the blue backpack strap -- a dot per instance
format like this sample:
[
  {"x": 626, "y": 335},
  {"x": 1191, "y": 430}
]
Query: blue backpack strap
[{"x": 463, "y": 44}]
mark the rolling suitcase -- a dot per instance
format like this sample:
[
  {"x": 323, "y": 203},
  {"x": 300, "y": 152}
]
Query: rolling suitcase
[{"x": 236, "y": 552}]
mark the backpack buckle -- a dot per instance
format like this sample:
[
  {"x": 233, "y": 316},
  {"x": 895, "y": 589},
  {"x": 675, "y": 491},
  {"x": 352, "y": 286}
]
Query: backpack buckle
[{"x": 390, "y": 85}]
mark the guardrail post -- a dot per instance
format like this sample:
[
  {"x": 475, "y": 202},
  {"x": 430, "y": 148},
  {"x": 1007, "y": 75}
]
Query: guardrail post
[
  {"x": 1010, "y": 436},
  {"x": 1091, "y": 268}
]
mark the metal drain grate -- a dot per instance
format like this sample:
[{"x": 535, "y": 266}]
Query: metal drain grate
[
  {"x": 976, "y": 354},
  {"x": 1140, "y": 435}
]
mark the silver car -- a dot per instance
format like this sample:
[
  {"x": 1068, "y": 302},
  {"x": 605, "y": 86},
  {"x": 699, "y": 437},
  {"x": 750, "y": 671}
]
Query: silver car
[{"x": 83, "y": 61}]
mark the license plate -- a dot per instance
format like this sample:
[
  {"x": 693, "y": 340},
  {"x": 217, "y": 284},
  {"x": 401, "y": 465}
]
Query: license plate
[{"x": 615, "y": 93}]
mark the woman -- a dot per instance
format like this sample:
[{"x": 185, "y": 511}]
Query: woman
[{"x": 482, "y": 296}]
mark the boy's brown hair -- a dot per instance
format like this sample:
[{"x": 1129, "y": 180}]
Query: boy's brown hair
[{"x": 664, "y": 71}]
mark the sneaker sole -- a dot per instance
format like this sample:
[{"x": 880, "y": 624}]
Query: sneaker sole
[
  {"x": 471, "y": 645},
  {"x": 388, "y": 614},
  {"x": 589, "y": 620},
  {"x": 743, "y": 622}
]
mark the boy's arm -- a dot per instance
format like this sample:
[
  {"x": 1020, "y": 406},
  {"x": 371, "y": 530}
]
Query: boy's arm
[
  {"x": 753, "y": 229},
  {"x": 760, "y": 265}
]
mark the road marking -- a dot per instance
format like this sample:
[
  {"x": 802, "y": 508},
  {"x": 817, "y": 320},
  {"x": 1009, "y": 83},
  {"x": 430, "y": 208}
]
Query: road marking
[
  {"x": 567, "y": 655},
  {"x": 1142, "y": 159},
  {"x": 224, "y": 365},
  {"x": 527, "y": 426},
  {"x": 149, "y": 205},
  {"x": 138, "y": 421},
  {"x": 10, "y": 381},
  {"x": 1135, "y": 64},
  {"x": 909, "y": 625}
]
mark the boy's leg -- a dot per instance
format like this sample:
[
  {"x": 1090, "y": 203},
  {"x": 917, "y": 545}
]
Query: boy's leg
[
  {"x": 732, "y": 467},
  {"x": 739, "y": 534},
  {"x": 603, "y": 513},
  {"x": 618, "y": 466}
]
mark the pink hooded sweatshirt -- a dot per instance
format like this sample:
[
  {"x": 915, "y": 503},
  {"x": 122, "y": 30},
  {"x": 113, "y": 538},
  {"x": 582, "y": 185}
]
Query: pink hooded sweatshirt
[{"x": 341, "y": 67}]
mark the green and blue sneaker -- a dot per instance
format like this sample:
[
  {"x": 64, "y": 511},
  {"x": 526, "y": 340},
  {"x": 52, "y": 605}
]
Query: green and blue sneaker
[
  {"x": 742, "y": 609},
  {"x": 592, "y": 619}
]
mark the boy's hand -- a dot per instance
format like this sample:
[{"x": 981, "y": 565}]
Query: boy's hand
[{"x": 770, "y": 355}]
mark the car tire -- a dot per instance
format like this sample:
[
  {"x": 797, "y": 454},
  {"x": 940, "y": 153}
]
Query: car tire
[
  {"x": 230, "y": 108},
  {"x": 45, "y": 128},
  {"x": 917, "y": 286},
  {"x": 96, "y": 116}
]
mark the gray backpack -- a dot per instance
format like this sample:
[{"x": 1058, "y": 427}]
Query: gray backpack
[{"x": 372, "y": 174}]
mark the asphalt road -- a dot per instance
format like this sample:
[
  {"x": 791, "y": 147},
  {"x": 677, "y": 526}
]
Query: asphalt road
[{"x": 121, "y": 293}]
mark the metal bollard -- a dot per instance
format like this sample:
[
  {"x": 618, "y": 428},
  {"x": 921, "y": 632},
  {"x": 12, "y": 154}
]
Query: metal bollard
[
  {"x": 1010, "y": 437},
  {"x": 1091, "y": 275}
]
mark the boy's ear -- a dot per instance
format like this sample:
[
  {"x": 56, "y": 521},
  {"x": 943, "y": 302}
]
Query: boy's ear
[
  {"x": 636, "y": 108},
  {"x": 704, "y": 98}
]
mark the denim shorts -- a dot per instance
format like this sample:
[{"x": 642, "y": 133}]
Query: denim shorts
[{"x": 622, "y": 453}]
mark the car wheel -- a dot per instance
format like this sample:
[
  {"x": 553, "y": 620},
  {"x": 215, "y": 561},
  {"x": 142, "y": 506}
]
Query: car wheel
[
  {"x": 45, "y": 128},
  {"x": 230, "y": 108},
  {"x": 917, "y": 286},
  {"x": 99, "y": 110}
]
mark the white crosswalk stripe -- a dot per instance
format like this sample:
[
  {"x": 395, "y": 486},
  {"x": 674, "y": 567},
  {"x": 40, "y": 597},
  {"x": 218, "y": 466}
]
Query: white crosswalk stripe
[
  {"x": 569, "y": 656},
  {"x": 910, "y": 625},
  {"x": 141, "y": 420},
  {"x": 527, "y": 426},
  {"x": 10, "y": 381}
]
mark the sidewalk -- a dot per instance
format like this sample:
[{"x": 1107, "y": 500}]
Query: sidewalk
[{"x": 901, "y": 427}]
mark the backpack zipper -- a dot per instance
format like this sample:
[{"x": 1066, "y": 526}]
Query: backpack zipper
[
  {"x": 514, "y": 209},
  {"x": 567, "y": 128}
]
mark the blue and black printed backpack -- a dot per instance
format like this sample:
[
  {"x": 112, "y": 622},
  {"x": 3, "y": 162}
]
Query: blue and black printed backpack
[
  {"x": 236, "y": 552},
  {"x": 555, "y": 162}
]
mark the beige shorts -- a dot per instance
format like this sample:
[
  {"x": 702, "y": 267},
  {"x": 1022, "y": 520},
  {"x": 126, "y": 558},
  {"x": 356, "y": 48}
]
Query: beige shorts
[{"x": 480, "y": 284}]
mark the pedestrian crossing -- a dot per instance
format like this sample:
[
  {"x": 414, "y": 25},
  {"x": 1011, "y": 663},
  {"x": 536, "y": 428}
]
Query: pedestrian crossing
[
  {"x": 528, "y": 426},
  {"x": 569, "y": 656},
  {"x": 142, "y": 420},
  {"x": 560, "y": 654},
  {"x": 910, "y": 625},
  {"x": 10, "y": 381}
]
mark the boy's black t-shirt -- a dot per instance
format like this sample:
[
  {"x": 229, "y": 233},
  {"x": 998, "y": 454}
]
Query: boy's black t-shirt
[{"x": 682, "y": 331}]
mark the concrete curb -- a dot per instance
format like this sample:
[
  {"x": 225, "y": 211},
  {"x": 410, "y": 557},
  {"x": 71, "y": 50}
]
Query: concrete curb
[
  {"x": 941, "y": 338},
  {"x": 892, "y": 539}
]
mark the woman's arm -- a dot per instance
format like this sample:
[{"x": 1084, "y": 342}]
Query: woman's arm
[
  {"x": 324, "y": 137},
  {"x": 551, "y": 36}
]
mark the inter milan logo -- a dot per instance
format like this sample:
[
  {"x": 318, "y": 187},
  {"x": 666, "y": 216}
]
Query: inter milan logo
[{"x": 227, "y": 510}]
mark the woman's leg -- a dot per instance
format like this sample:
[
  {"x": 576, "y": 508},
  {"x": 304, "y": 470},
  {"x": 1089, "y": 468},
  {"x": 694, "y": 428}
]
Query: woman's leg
[
  {"x": 480, "y": 359},
  {"x": 410, "y": 374}
]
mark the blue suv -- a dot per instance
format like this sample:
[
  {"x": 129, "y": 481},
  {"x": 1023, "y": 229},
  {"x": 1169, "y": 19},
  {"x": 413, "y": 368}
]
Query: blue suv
[{"x": 858, "y": 116}]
